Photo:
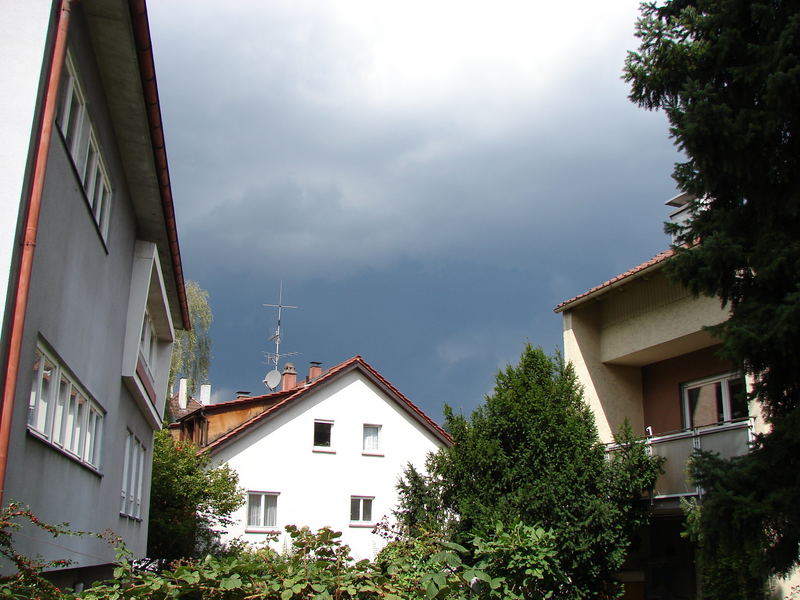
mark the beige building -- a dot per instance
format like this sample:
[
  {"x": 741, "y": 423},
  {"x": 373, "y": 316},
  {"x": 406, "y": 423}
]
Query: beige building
[{"x": 639, "y": 348}]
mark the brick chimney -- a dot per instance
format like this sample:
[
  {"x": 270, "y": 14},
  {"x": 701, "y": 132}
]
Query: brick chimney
[
  {"x": 314, "y": 370},
  {"x": 289, "y": 378}
]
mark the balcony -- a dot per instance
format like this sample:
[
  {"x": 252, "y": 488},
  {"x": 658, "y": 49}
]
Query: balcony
[{"x": 728, "y": 439}]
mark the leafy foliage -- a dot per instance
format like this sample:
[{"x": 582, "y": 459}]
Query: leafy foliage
[
  {"x": 531, "y": 455},
  {"x": 727, "y": 74},
  {"x": 28, "y": 582},
  {"x": 191, "y": 351},
  {"x": 189, "y": 499}
]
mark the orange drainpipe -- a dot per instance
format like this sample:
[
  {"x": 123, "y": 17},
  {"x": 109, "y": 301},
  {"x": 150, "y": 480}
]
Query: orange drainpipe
[{"x": 29, "y": 241}]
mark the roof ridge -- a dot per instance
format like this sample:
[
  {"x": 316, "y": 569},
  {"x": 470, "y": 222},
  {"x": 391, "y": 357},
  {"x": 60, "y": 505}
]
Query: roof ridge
[{"x": 311, "y": 385}]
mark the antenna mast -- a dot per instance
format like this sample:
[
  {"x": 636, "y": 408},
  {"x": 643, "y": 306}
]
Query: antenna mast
[{"x": 273, "y": 378}]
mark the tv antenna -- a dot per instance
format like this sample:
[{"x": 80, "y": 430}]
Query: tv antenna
[{"x": 273, "y": 378}]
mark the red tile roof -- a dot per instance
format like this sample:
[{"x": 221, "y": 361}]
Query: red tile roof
[
  {"x": 638, "y": 270},
  {"x": 289, "y": 397}
]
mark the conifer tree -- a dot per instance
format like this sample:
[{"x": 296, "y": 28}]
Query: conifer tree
[{"x": 727, "y": 75}]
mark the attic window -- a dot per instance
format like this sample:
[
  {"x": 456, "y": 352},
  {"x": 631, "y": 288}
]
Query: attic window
[{"x": 322, "y": 434}]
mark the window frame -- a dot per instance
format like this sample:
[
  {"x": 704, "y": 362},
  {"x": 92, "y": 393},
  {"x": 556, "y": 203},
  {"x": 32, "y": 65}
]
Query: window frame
[
  {"x": 325, "y": 449},
  {"x": 262, "y": 527},
  {"x": 361, "y": 501},
  {"x": 726, "y": 400},
  {"x": 73, "y": 420},
  {"x": 132, "y": 477},
  {"x": 81, "y": 141},
  {"x": 371, "y": 451}
]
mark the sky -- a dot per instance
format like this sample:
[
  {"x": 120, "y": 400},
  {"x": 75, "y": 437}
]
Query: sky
[{"x": 427, "y": 179}]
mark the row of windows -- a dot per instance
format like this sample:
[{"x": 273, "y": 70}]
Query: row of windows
[
  {"x": 323, "y": 436},
  {"x": 62, "y": 413},
  {"x": 132, "y": 473},
  {"x": 79, "y": 135},
  {"x": 262, "y": 510}
]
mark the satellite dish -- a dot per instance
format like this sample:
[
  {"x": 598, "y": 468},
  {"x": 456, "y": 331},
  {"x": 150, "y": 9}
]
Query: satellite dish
[{"x": 272, "y": 379}]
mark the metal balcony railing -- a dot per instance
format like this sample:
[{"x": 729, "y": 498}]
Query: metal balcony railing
[{"x": 729, "y": 439}]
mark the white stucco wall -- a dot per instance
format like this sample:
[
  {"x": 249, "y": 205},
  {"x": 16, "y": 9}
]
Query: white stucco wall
[
  {"x": 23, "y": 30},
  {"x": 315, "y": 488}
]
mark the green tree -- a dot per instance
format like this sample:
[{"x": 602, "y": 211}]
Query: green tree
[
  {"x": 191, "y": 352},
  {"x": 727, "y": 75},
  {"x": 189, "y": 499},
  {"x": 531, "y": 455}
]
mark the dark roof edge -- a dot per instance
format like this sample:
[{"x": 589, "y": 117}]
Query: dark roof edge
[
  {"x": 357, "y": 362},
  {"x": 623, "y": 278}
]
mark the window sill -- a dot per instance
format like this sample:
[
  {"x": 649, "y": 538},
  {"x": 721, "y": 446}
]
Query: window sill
[
  {"x": 270, "y": 530},
  {"x": 130, "y": 518},
  {"x": 320, "y": 450},
  {"x": 380, "y": 454},
  {"x": 362, "y": 525},
  {"x": 38, "y": 436}
]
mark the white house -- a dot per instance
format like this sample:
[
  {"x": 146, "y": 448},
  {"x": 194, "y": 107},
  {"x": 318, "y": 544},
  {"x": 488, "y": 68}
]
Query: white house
[
  {"x": 325, "y": 452},
  {"x": 91, "y": 282}
]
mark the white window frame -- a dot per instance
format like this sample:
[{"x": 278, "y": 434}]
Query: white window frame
[
  {"x": 62, "y": 413},
  {"x": 261, "y": 523},
  {"x": 357, "y": 510},
  {"x": 727, "y": 410},
  {"x": 148, "y": 343},
  {"x": 323, "y": 448},
  {"x": 371, "y": 444},
  {"x": 132, "y": 477},
  {"x": 75, "y": 124}
]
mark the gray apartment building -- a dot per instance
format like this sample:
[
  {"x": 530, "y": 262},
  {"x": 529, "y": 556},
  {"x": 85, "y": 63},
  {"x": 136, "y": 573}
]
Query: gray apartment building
[{"x": 91, "y": 282}]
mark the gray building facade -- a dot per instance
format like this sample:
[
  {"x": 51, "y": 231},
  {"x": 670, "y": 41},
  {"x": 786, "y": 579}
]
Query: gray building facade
[{"x": 91, "y": 305}]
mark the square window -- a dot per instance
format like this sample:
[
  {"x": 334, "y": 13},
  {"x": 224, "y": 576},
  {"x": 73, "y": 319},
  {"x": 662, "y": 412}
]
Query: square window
[
  {"x": 262, "y": 509},
  {"x": 372, "y": 438},
  {"x": 322, "y": 434},
  {"x": 361, "y": 509}
]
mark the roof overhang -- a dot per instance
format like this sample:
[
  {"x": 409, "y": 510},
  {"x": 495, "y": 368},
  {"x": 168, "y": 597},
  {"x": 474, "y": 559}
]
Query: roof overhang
[{"x": 121, "y": 38}]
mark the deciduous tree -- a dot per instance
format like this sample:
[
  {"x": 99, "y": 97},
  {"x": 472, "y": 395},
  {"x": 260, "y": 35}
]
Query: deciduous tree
[
  {"x": 189, "y": 499},
  {"x": 531, "y": 455},
  {"x": 191, "y": 352}
]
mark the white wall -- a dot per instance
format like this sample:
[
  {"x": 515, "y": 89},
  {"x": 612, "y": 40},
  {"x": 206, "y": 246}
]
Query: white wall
[{"x": 315, "y": 488}]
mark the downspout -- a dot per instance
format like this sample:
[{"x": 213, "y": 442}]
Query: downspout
[{"x": 29, "y": 241}]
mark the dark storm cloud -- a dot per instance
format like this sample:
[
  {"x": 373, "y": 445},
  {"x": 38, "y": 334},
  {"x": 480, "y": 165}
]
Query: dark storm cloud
[{"x": 479, "y": 200}]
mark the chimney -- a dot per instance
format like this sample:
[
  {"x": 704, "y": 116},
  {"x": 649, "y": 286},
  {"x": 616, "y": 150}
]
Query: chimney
[
  {"x": 314, "y": 370},
  {"x": 289, "y": 379},
  {"x": 183, "y": 393},
  {"x": 205, "y": 394}
]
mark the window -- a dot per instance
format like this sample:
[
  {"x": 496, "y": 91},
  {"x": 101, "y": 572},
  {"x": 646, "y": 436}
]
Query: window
[
  {"x": 322, "y": 434},
  {"x": 62, "y": 413},
  {"x": 262, "y": 509},
  {"x": 79, "y": 136},
  {"x": 148, "y": 342},
  {"x": 714, "y": 400},
  {"x": 371, "y": 438},
  {"x": 132, "y": 473},
  {"x": 361, "y": 509}
]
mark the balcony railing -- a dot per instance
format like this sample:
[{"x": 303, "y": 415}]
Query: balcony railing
[{"x": 729, "y": 439}]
